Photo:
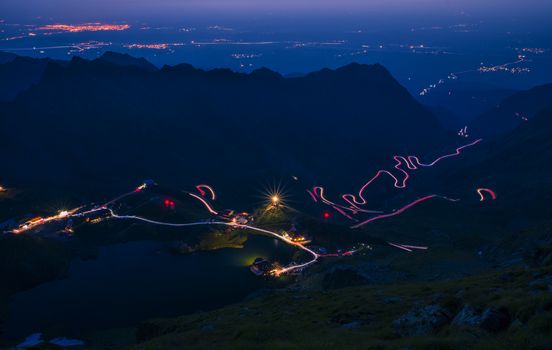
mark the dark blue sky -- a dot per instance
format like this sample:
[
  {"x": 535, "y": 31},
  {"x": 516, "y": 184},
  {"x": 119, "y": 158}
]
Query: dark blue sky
[{"x": 79, "y": 9}]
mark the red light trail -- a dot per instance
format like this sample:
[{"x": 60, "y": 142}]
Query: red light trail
[
  {"x": 209, "y": 188},
  {"x": 67, "y": 214},
  {"x": 313, "y": 196},
  {"x": 399, "y": 211},
  {"x": 201, "y": 190},
  {"x": 480, "y": 191},
  {"x": 207, "y": 205},
  {"x": 403, "y": 165}
]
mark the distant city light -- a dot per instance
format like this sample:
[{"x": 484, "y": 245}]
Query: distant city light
[{"x": 85, "y": 27}]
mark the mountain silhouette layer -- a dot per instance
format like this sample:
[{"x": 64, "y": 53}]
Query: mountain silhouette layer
[{"x": 99, "y": 122}]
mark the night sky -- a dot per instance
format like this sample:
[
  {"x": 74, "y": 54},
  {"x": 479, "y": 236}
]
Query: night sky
[{"x": 106, "y": 9}]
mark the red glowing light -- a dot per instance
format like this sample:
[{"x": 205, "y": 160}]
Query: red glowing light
[{"x": 326, "y": 215}]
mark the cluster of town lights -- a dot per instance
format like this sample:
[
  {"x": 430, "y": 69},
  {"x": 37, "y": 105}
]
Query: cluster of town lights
[{"x": 86, "y": 27}]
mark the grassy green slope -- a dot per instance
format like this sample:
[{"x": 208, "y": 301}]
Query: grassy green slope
[{"x": 315, "y": 320}]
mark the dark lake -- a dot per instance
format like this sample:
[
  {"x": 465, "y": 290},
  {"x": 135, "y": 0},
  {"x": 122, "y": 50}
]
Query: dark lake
[{"x": 136, "y": 281}]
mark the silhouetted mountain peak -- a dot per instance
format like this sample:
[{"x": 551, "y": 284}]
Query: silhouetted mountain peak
[
  {"x": 179, "y": 68},
  {"x": 19, "y": 74},
  {"x": 358, "y": 67},
  {"x": 265, "y": 73},
  {"x": 6, "y": 57},
  {"x": 76, "y": 60},
  {"x": 362, "y": 69},
  {"x": 353, "y": 107},
  {"x": 356, "y": 72},
  {"x": 126, "y": 60}
]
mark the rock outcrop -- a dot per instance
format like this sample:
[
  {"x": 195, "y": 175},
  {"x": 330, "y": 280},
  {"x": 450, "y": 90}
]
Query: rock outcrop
[{"x": 422, "y": 320}]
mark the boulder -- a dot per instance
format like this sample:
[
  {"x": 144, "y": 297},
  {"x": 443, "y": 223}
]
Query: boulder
[
  {"x": 422, "y": 320},
  {"x": 494, "y": 320},
  {"x": 467, "y": 317},
  {"x": 354, "y": 325}
]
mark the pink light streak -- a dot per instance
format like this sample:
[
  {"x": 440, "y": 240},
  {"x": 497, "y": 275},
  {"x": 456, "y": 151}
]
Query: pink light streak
[
  {"x": 342, "y": 212},
  {"x": 313, "y": 196},
  {"x": 480, "y": 191},
  {"x": 396, "y": 212},
  {"x": 400, "y": 246},
  {"x": 406, "y": 247},
  {"x": 354, "y": 202},
  {"x": 201, "y": 188},
  {"x": 209, "y": 188},
  {"x": 211, "y": 210},
  {"x": 319, "y": 192}
]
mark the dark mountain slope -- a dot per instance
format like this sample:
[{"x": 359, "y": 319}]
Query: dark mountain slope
[
  {"x": 526, "y": 151},
  {"x": 513, "y": 111},
  {"x": 20, "y": 74},
  {"x": 6, "y": 57},
  {"x": 466, "y": 100},
  {"x": 517, "y": 166},
  {"x": 95, "y": 122}
]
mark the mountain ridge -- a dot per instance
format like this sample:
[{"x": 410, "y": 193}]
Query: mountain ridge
[{"x": 314, "y": 119}]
